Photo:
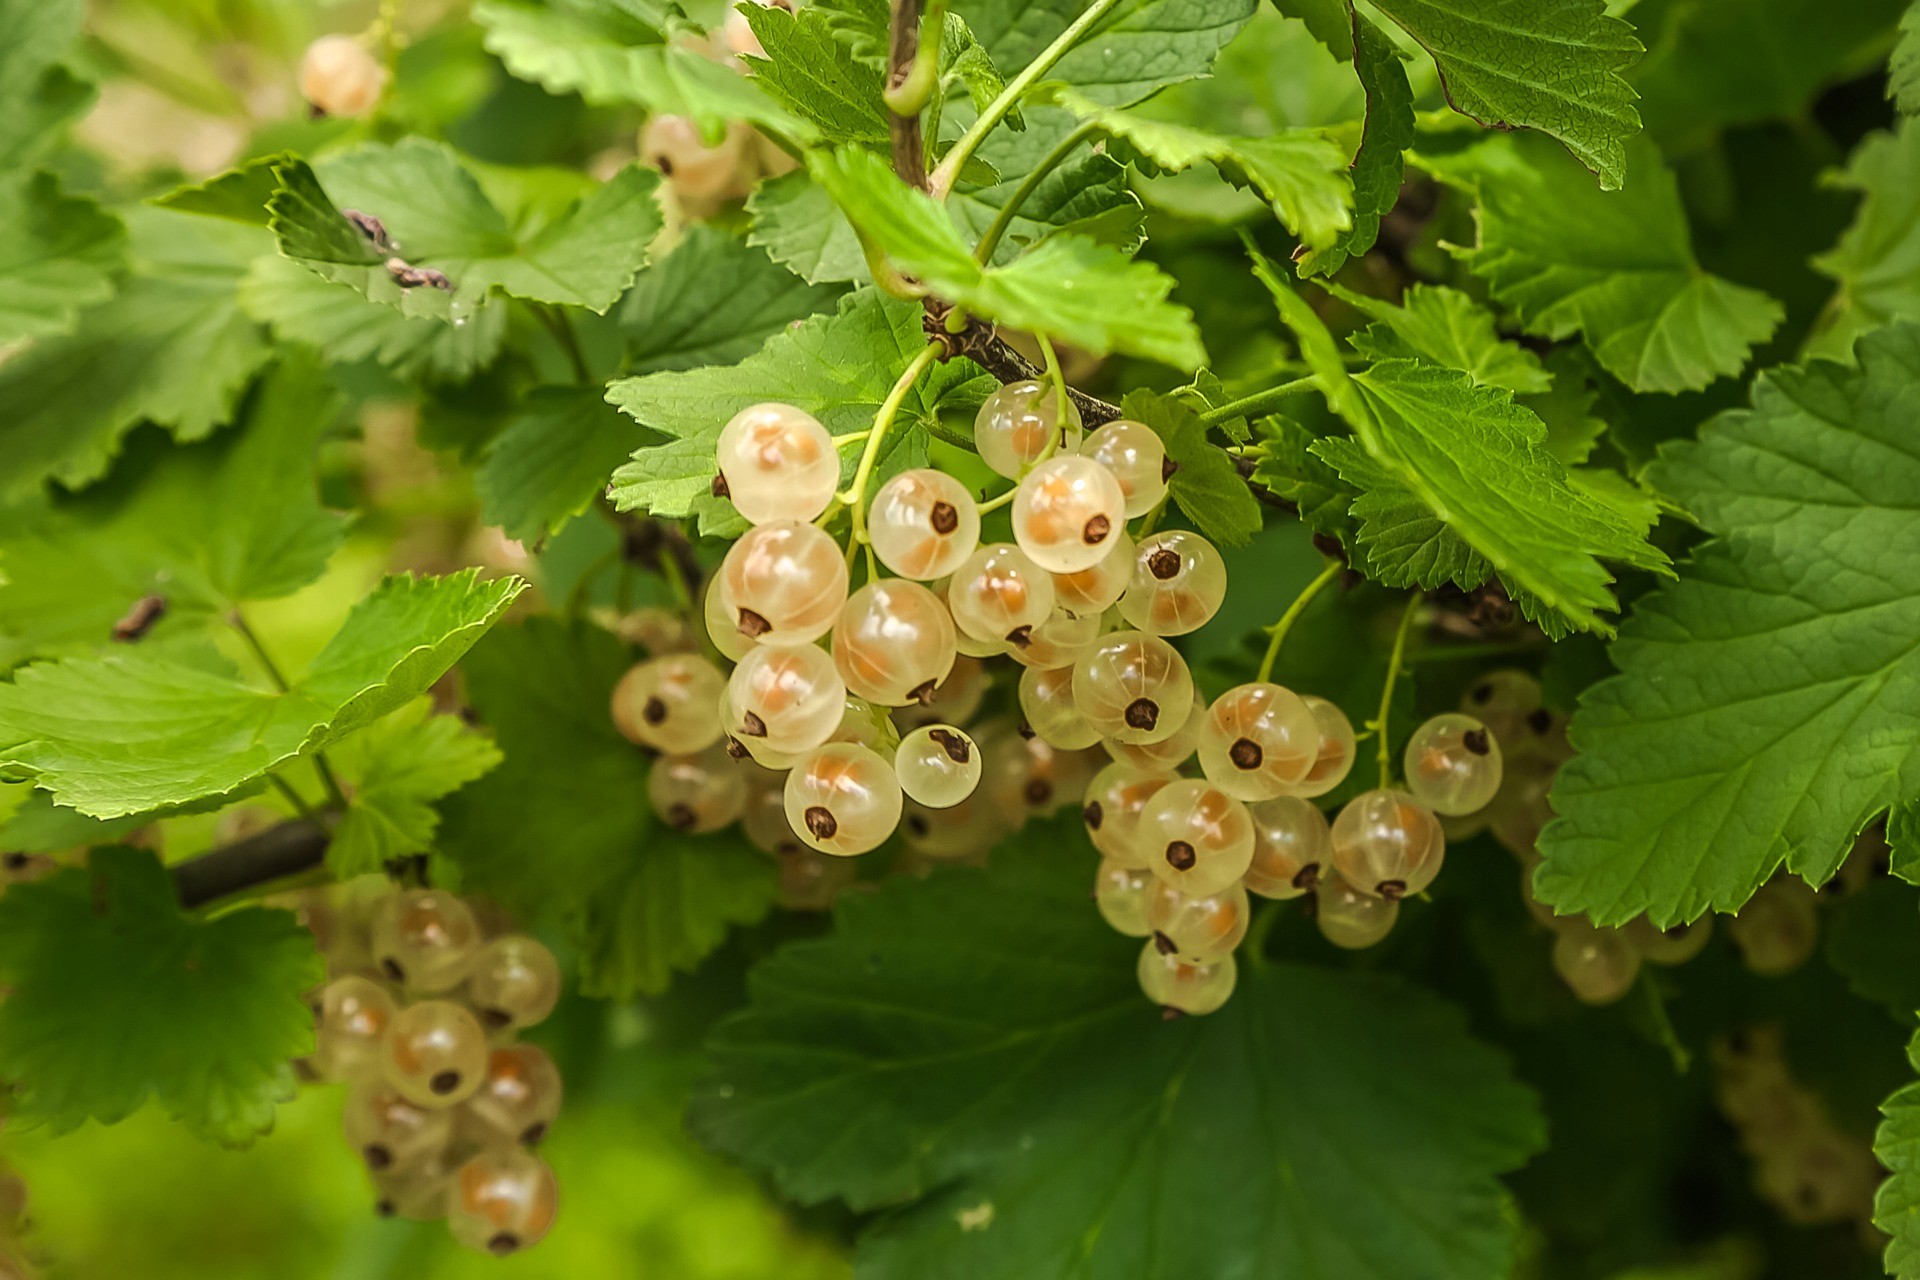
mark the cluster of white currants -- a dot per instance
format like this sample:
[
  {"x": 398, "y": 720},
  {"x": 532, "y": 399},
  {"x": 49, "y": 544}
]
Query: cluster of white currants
[
  {"x": 703, "y": 171},
  {"x": 418, "y": 1019}
]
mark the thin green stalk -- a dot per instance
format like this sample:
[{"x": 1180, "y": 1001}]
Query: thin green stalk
[
  {"x": 1247, "y": 406},
  {"x": 1277, "y": 633},
  {"x": 1151, "y": 521},
  {"x": 994, "y": 504},
  {"x": 855, "y": 497},
  {"x": 943, "y": 178},
  {"x": 1394, "y": 664},
  {"x": 300, "y": 806},
  {"x": 328, "y": 781},
  {"x": 562, "y": 330},
  {"x": 583, "y": 586},
  {"x": 677, "y": 584},
  {"x": 983, "y": 252},
  {"x": 1265, "y": 916}
]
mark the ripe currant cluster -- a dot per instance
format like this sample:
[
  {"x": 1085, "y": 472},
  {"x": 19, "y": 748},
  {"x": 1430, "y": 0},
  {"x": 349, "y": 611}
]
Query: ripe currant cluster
[
  {"x": 1804, "y": 1165},
  {"x": 702, "y": 173},
  {"x": 418, "y": 1019}
]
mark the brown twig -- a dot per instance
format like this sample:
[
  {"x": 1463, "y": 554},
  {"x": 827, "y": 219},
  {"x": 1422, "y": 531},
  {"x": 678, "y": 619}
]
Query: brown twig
[
  {"x": 981, "y": 343},
  {"x": 274, "y": 854},
  {"x": 909, "y": 148}
]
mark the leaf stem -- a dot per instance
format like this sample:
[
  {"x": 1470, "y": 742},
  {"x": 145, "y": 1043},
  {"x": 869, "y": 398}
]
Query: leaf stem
[
  {"x": 855, "y": 497},
  {"x": 562, "y": 330},
  {"x": 983, "y": 252},
  {"x": 943, "y": 177},
  {"x": 1277, "y": 633},
  {"x": 1246, "y": 406},
  {"x": 1394, "y": 664},
  {"x": 292, "y": 797},
  {"x": 331, "y": 784}
]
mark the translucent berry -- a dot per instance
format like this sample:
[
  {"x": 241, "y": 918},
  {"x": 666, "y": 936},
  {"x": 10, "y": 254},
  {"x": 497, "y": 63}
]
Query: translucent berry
[
  {"x": 1778, "y": 929},
  {"x": 1133, "y": 687},
  {"x": 503, "y": 1201},
  {"x": 418, "y": 1193},
  {"x": 1059, "y": 641},
  {"x": 1333, "y": 759},
  {"x": 893, "y": 642},
  {"x": 1111, "y": 809},
  {"x": 341, "y": 77},
  {"x": 1027, "y": 777},
  {"x": 1502, "y": 701},
  {"x": 843, "y": 799},
  {"x": 390, "y": 1133},
  {"x": 1292, "y": 847},
  {"x": 964, "y": 830},
  {"x": 517, "y": 1100},
  {"x": 1017, "y": 424},
  {"x": 765, "y": 817},
  {"x": 938, "y": 766},
  {"x": 1132, "y": 451},
  {"x": 1453, "y": 764},
  {"x": 675, "y": 146},
  {"x": 697, "y": 793},
  {"x": 955, "y": 701},
  {"x": 354, "y": 1015},
  {"x": 1000, "y": 594},
  {"x": 1675, "y": 945},
  {"x": 1388, "y": 844},
  {"x": 1258, "y": 741},
  {"x": 1205, "y": 927},
  {"x": 670, "y": 704},
  {"x": 1521, "y": 809},
  {"x": 787, "y": 700},
  {"x": 1349, "y": 918},
  {"x": 1185, "y": 986},
  {"x": 924, "y": 524},
  {"x": 784, "y": 583},
  {"x": 435, "y": 1053},
  {"x": 725, "y": 633},
  {"x": 1121, "y": 894},
  {"x": 1066, "y": 513},
  {"x": 1091, "y": 592},
  {"x": 777, "y": 463},
  {"x": 425, "y": 939},
  {"x": 1177, "y": 584},
  {"x": 1168, "y": 754},
  {"x": 515, "y": 982},
  {"x": 1200, "y": 838},
  {"x": 1047, "y": 705},
  {"x": 811, "y": 881},
  {"x": 1598, "y": 964}
]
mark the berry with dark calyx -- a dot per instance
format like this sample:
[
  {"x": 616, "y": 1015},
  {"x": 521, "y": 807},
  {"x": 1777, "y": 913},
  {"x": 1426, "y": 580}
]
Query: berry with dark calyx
[
  {"x": 894, "y": 643},
  {"x": 923, "y": 524},
  {"x": 1201, "y": 837},
  {"x": 390, "y": 1133},
  {"x": 1066, "y": 512},
  {"x": 787, "y": 700},
  {"x": 1292, "y": 847},
  {"x": 1178, "y": 583},
  {"x": 670, "y": 703},
  {"x": 1453, "y": 765},
  {"x": 783, "y": 583},
  {"x": 1113, "y": 803},
  {"x": 1132, "y": 451},
  {"x": 435, "y": 1053},
  {"x": 1387, "y": 844},
  {"x": 1258, "y": 740},
  {"x": 502, "y": 1201},
  {"x": 1133, "y": 688},
  {"x": 424, "y": 939},
  {"x": 517, "y": 1101},
  {"x": 998, "y": 591},
  {"x": 1188, "y": 986},
  {"x": 938, "y": 766},
  {"x": 697, "y": 168},
  {"x": 1198, "y": 926},
  {"x": 777, "y": 463},
  {"x": 843, "y": 799},
  {"x": 514, "y": 983}
]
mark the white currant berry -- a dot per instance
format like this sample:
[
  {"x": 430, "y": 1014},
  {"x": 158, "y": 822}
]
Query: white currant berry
[
  {"x": 390, "y": 1133},
  {"x": 956, "y": 701},
  {"x": 777, "y": 463},
  {"x": 1292, "y": 847},
  {"x": 938, "y": 765},
  {"x": 1349, "y": 918},
  {"x": 1112, "y": 806},
  {"x": 812, "y": 881},
  {"x": 999, "y": 594},
  {"x": 1778, "y": 929},
  {"x": 1503, "y": 701},
  {"x": 435, "y": 1053},
  {"x": 502, "y": 1201},
  {"x": 765, "y": 818},
  {"x": 1200, "y": 838},
  {"x": 354, "y": 1013},
  {"x": 1388, "y": 844},
  {"x": 670, "y": 704},
  {"x": 843, "y": 799},
  {"x": 418, "y": 1193},
  {"x": 1333, "y": 758},
  {"x": 923, "y": 524},
  {"x": 1453, "y": 765},
  {"x": 963, "y": 830},
  {"x": 1133, "y": 687},
  {"x": 518, "y": 1098},
  {"x": 785, "y": 700},
  {"x": 1046, "y": 703},
  {"x": 1066, "y": 512},
  {"x": 1121, "y": 894},
  {"x": 658, "y": 631},
  {"x": 783, "y": 583},
  {"x": 1600, "y": 965},
  {"x": 424, "y": 939},
  {"x": 1091, "y": 592},
  {"x": 894, "y": 642},
  {"x": 341, "y": 77},
  {"x": 1133, "y": 452},
  {"x": 1521, "y": 809},
  {"x": 1670, "y": 946},
  {"x": 1186, "y": 986},
  {"x": 1057, "y": 642},
  {"x": 514, "y": 982},
  {"x": 1170, "y": 753},
  {"x": 1028, "y": 776},
  {"x": 676, "y": 147},
  {"x": 1258, "y": 741},
  {"x": 697, "y": 793},
  {"x": 1202, "y": 927},
  {"x": 725, "y": 633},
  {"x": 1178, "y": 583},
  {"x": 1018, "y": 424}
]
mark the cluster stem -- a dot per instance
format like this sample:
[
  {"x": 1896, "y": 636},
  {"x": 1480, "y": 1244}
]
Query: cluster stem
[
  {"x": 855, "y": 497},
  {"x": 1277, "y": 633},
  {"x": 1394, "y": 663}
]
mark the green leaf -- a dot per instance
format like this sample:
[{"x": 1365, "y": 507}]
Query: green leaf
[
  {"x": 1028, "y": 1113},
  {"x": 553, "y": 459},
  {"x": 1875, "y": 259},
  {"x": 1141, "y": 46},
  {"x": 641, "y": 901},
  {"x": 1379, "y": 166},
  {"x": 206, "y": 526},
  {"x": 1550, "y": 65},
  {"x": 795, "y": 221},
  {"x": 817, "y": 77},
  {"x": 1288, "y": 468},
  {"x": 393, "y": 771},
  {"x": 438, "y": 216},
  {"x": 1903, "y": 77},
  {"x": 1896, "y": 1144},
  {"x": 171, "y": 347},
  {"x": 839, "y": 368},
  {"x": 37, "y": 95},
  {"x": 240, "y": 194},
  {"x": 1087, "y": 195},
  {"x": 1617, "y": 269},
  {"x": 1870, "y": 941},
  {"x": 1447, "y": 328},
  {"x": 58, "y": 254},
  {"x": 166, "y": 724},
  {"x": 117, "y": 997},
  {"x": 1302, "y": 173},
  {"x": 38, "y": 825},
  {"x": 1765, "y": 708},
  {"x": 1067, "y": 287},
  {"x": 1206, "y": 487}
]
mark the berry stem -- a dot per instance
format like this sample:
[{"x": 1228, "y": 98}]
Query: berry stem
[
  {"x": 855, "y": 497},
  {"x": 1394, "y": 663},
  {"x": 1277, "y": 633},
  {"x": 1247, "y": 406},
  {"x": 983, "y": 252},
  {"x": 949, "y": 171}
]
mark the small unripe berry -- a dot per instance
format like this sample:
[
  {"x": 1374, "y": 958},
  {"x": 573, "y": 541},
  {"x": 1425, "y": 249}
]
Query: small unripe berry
[{"x": 341, "y": 77}]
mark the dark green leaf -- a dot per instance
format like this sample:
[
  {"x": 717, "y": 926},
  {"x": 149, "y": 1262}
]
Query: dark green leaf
[
  {"x": 1874, "y": 261},
  {"x": 395, "y": 770},
  {"x": 1380, "y": 163},
  {"x": 553, "y": 459},
  {"x": 816, "y": 76},
  {"x": 1141, "y": 46},
  {"x": 58, "y": 255},
  {"x": 1207, "y": 487}
]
